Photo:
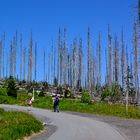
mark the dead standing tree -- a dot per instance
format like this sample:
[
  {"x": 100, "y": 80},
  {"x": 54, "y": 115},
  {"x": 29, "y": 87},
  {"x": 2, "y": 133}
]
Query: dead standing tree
[
  {"x": 35, "y": 61},
  {"x": 138, "y": 93},
  {"x": 136, "y": 61},
  {"x": 80, "y": 63},
  {"x": 30, "y": 60},
  {"x": 24, "y": 64},
  {"x": 122, "y": 59},
  {"x": 21, "y": 57},
  {"x": 109, "y": 59},
  {"x": 88, "y": 61},
  {"x": 99, "y": 65}
]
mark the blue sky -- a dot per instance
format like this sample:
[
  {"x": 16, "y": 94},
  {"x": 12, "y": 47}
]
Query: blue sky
[{"x": 44, "y": 17}]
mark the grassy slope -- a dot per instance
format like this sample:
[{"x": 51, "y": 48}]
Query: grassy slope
[
  {"x": 75, "y": 105},
  {"x": 95, "y": 108},
  {"x": 16, "y": 125}
]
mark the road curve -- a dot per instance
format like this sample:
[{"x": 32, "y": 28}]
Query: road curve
[{"x": 72, "y": 127}]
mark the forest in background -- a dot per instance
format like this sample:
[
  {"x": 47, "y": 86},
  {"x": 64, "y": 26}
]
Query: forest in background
[{"x": 66, "y": 63}]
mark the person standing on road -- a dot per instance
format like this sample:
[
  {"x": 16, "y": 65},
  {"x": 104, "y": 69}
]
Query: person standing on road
[
  {"x": 30, "y": 103},
  {"x": 56, "y": 104}
]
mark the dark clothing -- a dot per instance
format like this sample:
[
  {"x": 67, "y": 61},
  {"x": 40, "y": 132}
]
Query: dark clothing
[{"x": 56, "y": 104}]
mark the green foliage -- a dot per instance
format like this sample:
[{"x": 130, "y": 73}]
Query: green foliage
[
  {"x": 55, "y": 82},
  {"x": 42, "y": 94},
  {"x": 16, "y": 125},
  {"x": 3, "y": 91},
  {"x": 67, "y": 92},
  {"x": 113, "y": 94},
  {"x": 7, "y": 100},
  {"x": 86, "y": 98},
  {"x": 76, "y": 105},
  {"x": 44, "y": 102},
  {"x": 45, "y": 86},
  {"x": 11, "y": 88},
  {"x": 99, "y": 108},
  {"x": 105, "y": 94}
]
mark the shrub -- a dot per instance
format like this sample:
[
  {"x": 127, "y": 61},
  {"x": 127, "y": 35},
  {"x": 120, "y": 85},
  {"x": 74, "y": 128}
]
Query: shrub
[
  {"x": 55, "y": 82},
  {"x": 11, "y": 89},
  {"x": 3, "y": 92},
  {"x": 86, "y": 98},
  {"x": 105, "y": 93},
  {"x": 42, "y": 94}
]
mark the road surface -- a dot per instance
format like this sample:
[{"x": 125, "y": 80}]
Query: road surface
[{"x": 71, "y": 127}]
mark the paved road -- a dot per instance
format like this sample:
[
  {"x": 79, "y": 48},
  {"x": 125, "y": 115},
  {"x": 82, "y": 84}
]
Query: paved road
[{"x": 72, "y": 127}]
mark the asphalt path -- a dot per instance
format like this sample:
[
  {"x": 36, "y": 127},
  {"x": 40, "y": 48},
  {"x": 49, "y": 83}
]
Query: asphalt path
[{"x": 71, "y": 127}]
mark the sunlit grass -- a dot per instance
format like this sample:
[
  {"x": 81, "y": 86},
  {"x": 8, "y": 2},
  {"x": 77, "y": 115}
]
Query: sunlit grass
[
  {"x": 16, "y": 125},
  {"x": 100, "y": 108}
]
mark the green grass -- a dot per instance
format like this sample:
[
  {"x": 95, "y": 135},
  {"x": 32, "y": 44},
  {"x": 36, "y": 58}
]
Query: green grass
[
  {"x": 94, "y": 108},
  {"x": 100, "y": 108},
  {"x": 16, "y": 125}
]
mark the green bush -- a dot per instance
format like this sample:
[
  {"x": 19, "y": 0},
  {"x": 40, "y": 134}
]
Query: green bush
[
  {"x": 86, "y": 98},
  {"x": 55, "y": 82},
  {"x": 105, "y": 94},
  {"x": 3, "y": 91},
  {"x": 11, "y": 89},
  {"x": 42, "y": 94}
]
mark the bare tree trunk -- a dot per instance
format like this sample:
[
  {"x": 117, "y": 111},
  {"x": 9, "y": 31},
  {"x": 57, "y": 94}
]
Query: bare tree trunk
[
  {"x": 122, "y": 61},
  {"x": 127, "y": 81},
  {"x": 21, "y": 57},
  {"x": 74, "y": 63},
  {"x": 49, "y": 68},
  {"x": 30, "y": 61},
  {"x": 3, "y": 46},
  {"x": 51, "y": 62},
  {"x": 80, "y": 62},
  {"x": 35, "y": 60},
  {"x": 116, "y": 61},
  {"x": 11, "y": 59},
  {"x": 54, "y": 71},
  {"x": 88, "y": 62},
  {"x": 107, "y": 75},
  {"x": 65, "y": 59},
  {"x": 58, "y": 57},
  {"x": 109, "y": 59},
  {"x": 0, "y": 59},
  {"x": 44, "y": 66},
  {"x": 24, "y": 64},
  {"x": 99, "y": 62}
]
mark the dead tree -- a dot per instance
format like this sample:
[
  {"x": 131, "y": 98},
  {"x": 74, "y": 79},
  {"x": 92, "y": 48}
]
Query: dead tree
[
  {"x": 80, "y": 63},
  {"x": 11, "y": 59},
  {"x": 1, "y": 48},
  {"x": 109, "y": 59},
  {"x": 116, "y": 60},
  {"x": 58, "y": 56},
  {"x": 21, "y": 56},
  {"x": 88, "y": 61},
  {"x": 30, "y": 60},
  {"x": 74, "y": 63},
  {"x": 54, "y": 71},
  {"x": 65, "y": 59},
  {"x": 35, "y": 60},
  {"x": 122, "y": 59},
  {"x": 44, "y": 58},
  {"x": 136, "y": 61},
  {"x": 24, "y": 64},
  {"x": 3, "y": 54},
  {"x": 99, "y": 62},
  {"x": 138, "y": 94}
]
